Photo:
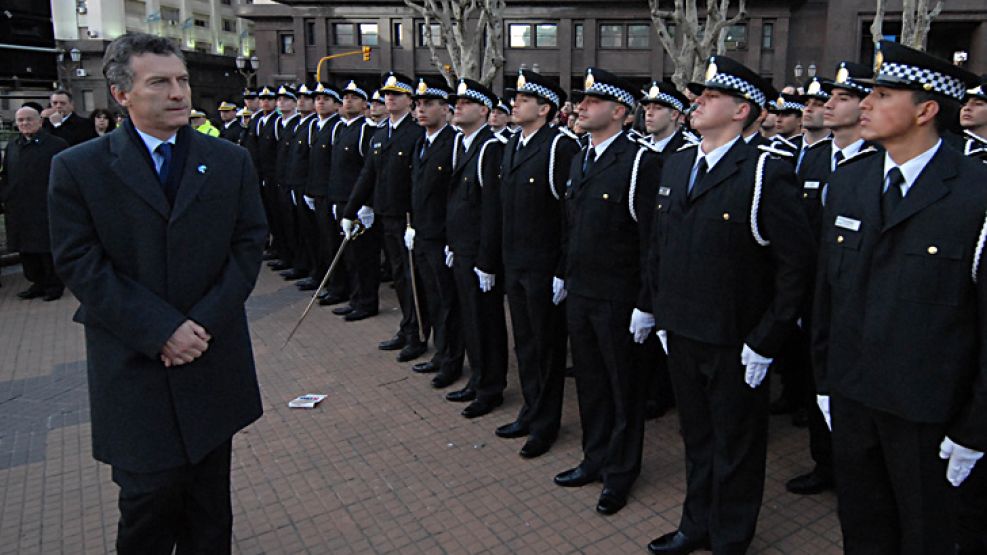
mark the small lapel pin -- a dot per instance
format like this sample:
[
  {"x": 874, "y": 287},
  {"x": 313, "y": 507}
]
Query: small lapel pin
[{"x": 202, "y": 168}]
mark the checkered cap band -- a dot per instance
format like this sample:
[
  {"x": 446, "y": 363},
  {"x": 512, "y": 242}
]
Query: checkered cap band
[
  {"x": 667, "y": 99},
  {"x": 853, "y": 85},
  {"x": 332, "y": 93},
  {"x": 727, "y": 81},
  {"x": 479, "y": 97},
  {"x": 538, "y": 90},
  {"x": 609, "y": 90},
  {"x": 941, "y": 83},
  {"x": 433, "y": 92},
  {"x": 788, "y": 105},
  {"x": 354, "y": 88}
]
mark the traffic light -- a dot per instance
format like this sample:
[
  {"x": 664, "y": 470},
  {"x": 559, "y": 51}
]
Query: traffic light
[{"x": 366, "y": 53}]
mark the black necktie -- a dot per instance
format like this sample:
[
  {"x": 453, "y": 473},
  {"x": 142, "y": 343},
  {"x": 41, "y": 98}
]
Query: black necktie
[
  {"x": 165, "y": 150},
  {"x": 520, "y": 146},
  {"x": 461, "y": 154},
  {"x": 424, "y": 149},
  {"x": 893, "y": 196},
  {"x": 700, "y": 174},
  {"x": 838, "y": 157},
  {"x": 589, "y": 160}
]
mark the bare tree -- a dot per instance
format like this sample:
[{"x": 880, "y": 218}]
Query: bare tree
[
  {"x": 472, "y": 33},
  {"x": 916, "y": 19},
  {"x": 692, "y": 42}
]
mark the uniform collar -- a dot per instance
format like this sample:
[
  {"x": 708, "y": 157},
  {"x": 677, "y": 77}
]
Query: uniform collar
[
  {"x": 602, "y": 147},
  {"x": 152, "y": 143},
  {"x": 715, "y": 155},
  {"x": 911, "y": 169}
]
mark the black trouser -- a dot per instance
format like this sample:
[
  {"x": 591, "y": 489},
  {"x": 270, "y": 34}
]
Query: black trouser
[
  {"x": 891, "y": 483},
  {"x": 443, "y": 306},
  {"x": 393, "y": 227},
  {"x": 724, "y": 426},
  {"x": 794, "y": 365},
  {"x": 540, "y": 347},
  {"x": 609, "y": 387},
  {"x": 187, "y": 506},
  {"x": 308, "y": 238},
  {"x": 971, "y": 531},
  {"x": 330, "y": 238},
  {"x": 269, "y": 197},
  {"x": 288, "y": 247},
  {"x": 362, "y": 257},
  {"x": 484, "y": 329},
  {"x": 39, "y": 269},
  {"x": 653, "y": 362}
]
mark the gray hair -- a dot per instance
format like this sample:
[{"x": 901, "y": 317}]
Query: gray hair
[{"x": 116, "y": 60}]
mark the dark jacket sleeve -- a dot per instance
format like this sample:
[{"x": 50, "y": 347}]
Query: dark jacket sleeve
[
  {"x": 363, "y": 191},
  {"x": 648, "y": 173},
  {"x": 125, "y": 308},
  {"x": 489, "y": 258},
  {"x": 783, "y": 223},
  {"x": 821, "y": 299},
  {"x": 565, "y": 151},
  {"x": 239, "y": 276}
]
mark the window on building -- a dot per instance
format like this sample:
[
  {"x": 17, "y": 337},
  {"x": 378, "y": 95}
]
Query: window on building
[
  {"x": 768, "y": 35},
  {"x": 638, "y": 35},
  {"x": 203, "y": 47},
  {"x": 342, "y": 34},
  {"x": 736, "y": 38},
  {"x": 170, "y": 16},
  {"x": 578, "y": 35},
  {"x": 310, "y": 33},
  {"x": 436, "y": 30},
  {"x": 368, "y": 34},
  {"x": 546, "y": 35},
  {"x": 227, "y": 2},
  {"x": 611, "y": 36},
  {"x": 229, "y": 25},
  {"x": 230, "y": 51},
  {"x": 201, "y": 21},
  {"x": 287, "y": 43},
  {"x": 520, "y": 35},
  {"x": 396, "y": 35}
]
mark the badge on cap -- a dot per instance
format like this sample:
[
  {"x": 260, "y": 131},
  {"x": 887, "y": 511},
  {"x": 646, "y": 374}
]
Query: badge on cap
[
  {"x": 842, "y": 75},
  {"x": 521, "y": 81},
  {"x": 422, "y": 87},
  {"x": 712, "y": 70},
  {"x": 878, "y": 60},
  {"x": 391, "y": 81},
  {"x": 814, "y": 88},
  {"x": 780, "y": 103},
  {"x": 463, "y": 87},
  {"x": 351, "y": 86},
  {"x": 654, "y": 91},
  {"x": 590, "y": 80}
]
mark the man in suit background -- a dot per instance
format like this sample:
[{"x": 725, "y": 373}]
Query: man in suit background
[
  {"x": 158, "y": 231},
  {"x": 62, "y": 121}
]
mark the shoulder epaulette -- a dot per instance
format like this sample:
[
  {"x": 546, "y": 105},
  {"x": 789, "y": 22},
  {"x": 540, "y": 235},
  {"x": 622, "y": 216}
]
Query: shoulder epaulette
[
  {"x": 568, "y": 132},
  {"x": 687, "y": 146},
  {"x": 861, "y": 154},
  {"x": 784, "y": 141},
  {"x": 776, "y": 151},
  {"x": 646, "y": 143}
]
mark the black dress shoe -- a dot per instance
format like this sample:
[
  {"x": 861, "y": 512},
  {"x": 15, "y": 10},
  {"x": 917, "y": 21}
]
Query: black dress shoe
[
  {"x": 535, "y": 447},
  {"x": 391, "y": 344},
  {"x": 278, "y": 265},
  {"x": 480, "y": 407},
  {"x": 31, "y": 293},
  {"x": 610, "y": 502},
  {"x": 357, "y": 315},
  {"x": 52, "y": 296},
  {"x": 512, "y": 430},
  {"x": 269, "y": 255},
  {"x": 329, "y": 300},
  {"x": 443, "y": 380},
  {"x": 412, "y": 351},
  {"x": 307, "y": 284},
  {"x": 427, "y": 367},
  {"x": 292, "y": 274},
  {"x": 676, "y": 543},
  {"x": 811, "y": 483},
  {"x": 575, "y": 478},
  {"x": 463, "y": 395},
  {"x": 342, "y": 310}
]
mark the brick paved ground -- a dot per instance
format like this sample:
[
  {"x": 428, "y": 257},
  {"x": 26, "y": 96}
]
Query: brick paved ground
[{"x": 384, "y": 465}]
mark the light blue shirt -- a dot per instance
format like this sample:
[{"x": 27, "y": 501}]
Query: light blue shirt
[
  {"x": 848, "y": 151},
  {"x": 468, "y": 140},
  {"x": 911, "y": 169},
  {"x": 152, "y": 144},
  {"x": 712, "y": 157}
]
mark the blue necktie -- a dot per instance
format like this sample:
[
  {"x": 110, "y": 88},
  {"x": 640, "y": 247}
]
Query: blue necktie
[
  {"x": 700, "y": 172},
  {"x": 164, "y": 151}
]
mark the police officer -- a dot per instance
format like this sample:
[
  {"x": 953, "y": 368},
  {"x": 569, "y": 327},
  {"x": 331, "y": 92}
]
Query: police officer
[
  {"x": 295, "y": 180},
  {"x": 729, "y": 265},
  {"x": 814, "y": 129},
  {"x": 898, "y": 326},
  {"x": 609, "y": 200},
  {"x": 231, "y": 129},
  {"x": 787, "y": 109},
  {"x": 499, "y": 119},
  {"x": 320, "y": 236},
  {"x": 425, "y": 238},
  {"x": 841, "y": 114},
  {"x": 360, "y": 282},
  {"x": 250, "y": 100},
  {"x": 263, "y": 147},
  {"x": 473, "y": 232},
  {"x": 973, "y": 119},
  {"x": 663, "y": 104},
  {"x": 384, "y": 186},
  {"x": 534, "y": 171}
]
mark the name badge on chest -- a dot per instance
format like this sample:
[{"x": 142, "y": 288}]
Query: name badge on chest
[
  {"x": 848, "y": 223},
  {"x": 664, "y": 191},
  {"x": 811, "y": 185}
]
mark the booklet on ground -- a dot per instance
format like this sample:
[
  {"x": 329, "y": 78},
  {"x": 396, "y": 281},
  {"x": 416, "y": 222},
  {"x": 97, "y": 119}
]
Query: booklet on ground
[{"x": 307, "y": 401}]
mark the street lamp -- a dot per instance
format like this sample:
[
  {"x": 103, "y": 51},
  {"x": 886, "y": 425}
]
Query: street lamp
[
  {"x": 68, "y": 67},
  {"x": 798, "y": 72},
  {"x": 812, "y": 71},
  {"x": 247, "y": 67}
]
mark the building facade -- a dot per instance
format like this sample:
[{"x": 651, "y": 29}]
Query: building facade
[{"x": 778, "y": 38}]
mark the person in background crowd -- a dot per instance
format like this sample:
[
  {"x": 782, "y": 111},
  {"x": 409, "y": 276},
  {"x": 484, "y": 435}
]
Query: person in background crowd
[
  {"x": 973, "y": 119},
  {"x": 202, "y": 124},
  {"x": 103, "y": 121},
  {"x": 119, "y": 117},
  {"x": 24, "y": 193},
  {"x": 251, "y": 100},
  {"x": 231, "y": 129},
  {"x": 376, "y": 110},
  {"x": 500, "y": 118},
  {"x": 62, "y": 121},
  {"x": 769, "y": 125}
]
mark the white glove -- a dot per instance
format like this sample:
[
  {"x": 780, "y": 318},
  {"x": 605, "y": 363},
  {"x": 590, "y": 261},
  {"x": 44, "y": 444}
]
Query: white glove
[
  {"x": 366, "y": 215},
  {"x": 486, "y": 280},
  {"x": 294, "y": 201},
  {"x": 961, "y": 460},
  {"x": 641, "y": 325},
  {"x": 310, "y": 202},
  {"x": 334, "y": 216},
  {"x": 663, "y": 337},
  {"x": 448, "y": 257},
  {"x": 347, "y": 225},
  {"x": 823, "y": 402},
  {"x": 409, "y": 238},
  {"x": 558, "y": 290},
  {"x": 757, "y": 366}
]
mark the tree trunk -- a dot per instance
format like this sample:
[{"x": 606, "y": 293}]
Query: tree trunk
[
  {"x": 876, "y": 28},
  {"x": 693, "y": 42},
  {"x": 916, "y": 19},
  {"x": 472, "y": 34}
]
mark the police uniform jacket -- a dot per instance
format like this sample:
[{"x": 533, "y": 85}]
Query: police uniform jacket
[
  {"x": 385, "y": 181},
  {"x": 320, "y": 156},
  {"x": 296, "y": 166},
  {"x": 608, "y": 211},
  {"x": 284, "y": 135},
  {"x": 351, "y": 144},
  {"x": 732, "y": 265},
  {"x": 430, "y": 186},
  {"x": 901, "y": 305},
  {"x": 473, "y": 215},
  {"x": 532, "y": 189}
]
